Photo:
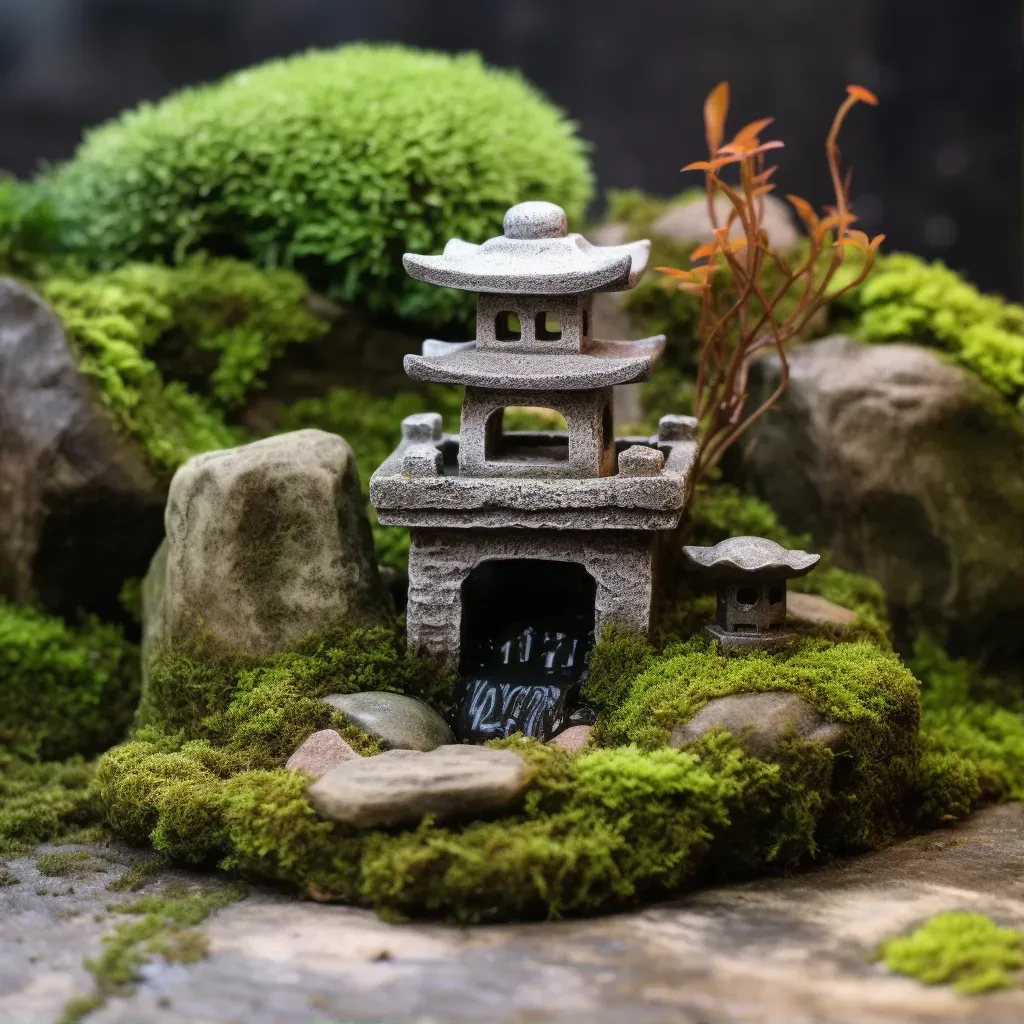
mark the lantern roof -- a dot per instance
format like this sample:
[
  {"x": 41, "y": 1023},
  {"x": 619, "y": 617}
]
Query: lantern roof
[
  {"x": 752, "y": 558},
  {"x": 536, "y": 255}
]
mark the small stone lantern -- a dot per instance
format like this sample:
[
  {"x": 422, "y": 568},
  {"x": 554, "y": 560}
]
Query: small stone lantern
[{"x": 751, "y": 574}]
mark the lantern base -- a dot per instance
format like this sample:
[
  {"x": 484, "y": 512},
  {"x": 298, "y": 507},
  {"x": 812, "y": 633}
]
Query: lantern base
[{"x": 762, "y": 641}]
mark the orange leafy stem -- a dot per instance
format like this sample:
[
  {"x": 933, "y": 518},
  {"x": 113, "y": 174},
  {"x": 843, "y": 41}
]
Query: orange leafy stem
[{"x": 740, "y": 316}]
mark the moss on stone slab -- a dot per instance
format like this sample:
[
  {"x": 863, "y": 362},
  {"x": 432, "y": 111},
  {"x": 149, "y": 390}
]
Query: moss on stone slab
[
  {"x": 66, "y": 690},
  {"x": 162, "y": 926},
  {"x": 968, "y": 951}
]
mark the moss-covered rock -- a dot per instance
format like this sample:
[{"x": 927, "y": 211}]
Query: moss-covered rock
[
  {"x": 331, "y": 162},
  {"x": 908, "y": 469}
]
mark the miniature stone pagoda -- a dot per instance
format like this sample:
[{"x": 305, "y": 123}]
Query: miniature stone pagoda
[
  {"x": 507, "y": 525},
  {"x": 751, "y": 574}
]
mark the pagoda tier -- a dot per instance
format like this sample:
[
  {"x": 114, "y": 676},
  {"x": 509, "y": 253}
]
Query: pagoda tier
[{"x": 602, "y": 364}]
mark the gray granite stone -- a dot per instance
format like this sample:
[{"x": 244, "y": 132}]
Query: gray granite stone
[
  {"x": 778, "y": 950},
  {"x": 265, "y": 543},
  {"x": 319, "y": 753},
  {"x": 401, "y": 786},
  {"x": 688, "y": 221},
  {"x": 760, "y": 720},
  {"x": 398, "y": 721}
]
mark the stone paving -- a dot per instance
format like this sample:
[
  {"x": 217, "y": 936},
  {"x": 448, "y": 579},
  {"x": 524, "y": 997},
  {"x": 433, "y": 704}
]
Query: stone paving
[{"x": 778, "y": 951}]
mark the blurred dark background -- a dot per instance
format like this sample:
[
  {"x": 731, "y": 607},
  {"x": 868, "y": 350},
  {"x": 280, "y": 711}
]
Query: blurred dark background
[{"x": 937, "y": 165}]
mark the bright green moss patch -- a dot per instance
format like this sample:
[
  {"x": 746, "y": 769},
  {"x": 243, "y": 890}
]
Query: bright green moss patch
[
  {"x": 162, "y": 926},
  {"x": 333, "y": 163},
  {"x": 65, "y": 690},
  {"x": 968, "y": 951}
]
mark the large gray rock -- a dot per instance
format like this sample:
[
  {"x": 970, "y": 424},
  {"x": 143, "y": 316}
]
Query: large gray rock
[
  {"x": 403, "y": 785},
  {"x": 906, "y": 468},
  {"x": 265, "y": 544},
  {"x": 790, "y": 947},
  {"x": 759, "y": 721},
  {"x": 399, "y": 722},
  {"x": 79, "y": 509}
]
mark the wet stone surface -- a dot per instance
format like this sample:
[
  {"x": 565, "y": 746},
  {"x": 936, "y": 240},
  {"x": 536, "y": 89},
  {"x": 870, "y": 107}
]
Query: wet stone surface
[
  {"x": 525, "y": 679},
  {"x": 783, "y": 950}
]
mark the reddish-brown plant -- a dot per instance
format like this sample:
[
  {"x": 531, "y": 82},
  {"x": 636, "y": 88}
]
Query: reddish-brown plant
[{"x": 739, "y": 315}]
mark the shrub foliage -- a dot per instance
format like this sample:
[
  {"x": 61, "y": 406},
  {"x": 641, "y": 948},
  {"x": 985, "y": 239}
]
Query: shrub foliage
[{"x": 333, "y": 163}]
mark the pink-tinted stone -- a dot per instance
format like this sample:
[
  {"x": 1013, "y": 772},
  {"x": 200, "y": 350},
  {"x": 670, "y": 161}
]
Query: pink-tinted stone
[
  {"x": 320, "y": 753},
  {"x": 573, "y": 738},
  {"x": 816, "y": 609}
]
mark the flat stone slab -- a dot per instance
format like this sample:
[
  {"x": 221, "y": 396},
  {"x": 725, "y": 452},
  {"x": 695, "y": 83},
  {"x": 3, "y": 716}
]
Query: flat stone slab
[
  {"x": 404, "y": 785},
  {"x": 785, "y": 950},
  {"x": 399, "y": 722},
  {"x": 760, "y": 720},
  {"x": 816, "y": 609}
]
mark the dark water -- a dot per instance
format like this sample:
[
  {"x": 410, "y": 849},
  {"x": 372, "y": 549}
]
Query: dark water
[{"x": 526, "y": 678}]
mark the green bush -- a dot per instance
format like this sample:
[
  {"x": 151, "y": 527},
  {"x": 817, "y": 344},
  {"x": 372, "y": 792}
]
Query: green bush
[
  {"x": 65, "y": 691},
  {"x": 30, "y": 233},
  {"x": 171, "y": 349},
  {"x": 333, "y": 163},
  {"x": 908, "y": 299}
]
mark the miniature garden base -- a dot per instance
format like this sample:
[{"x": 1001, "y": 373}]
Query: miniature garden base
[{"x": 773, "y": 950}]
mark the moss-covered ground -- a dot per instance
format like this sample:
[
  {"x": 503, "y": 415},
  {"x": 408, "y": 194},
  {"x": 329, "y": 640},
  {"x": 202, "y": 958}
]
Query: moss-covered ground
[{"x": 968, "y": 951}]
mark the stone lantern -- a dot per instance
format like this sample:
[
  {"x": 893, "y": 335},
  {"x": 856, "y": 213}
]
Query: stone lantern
[
  {"x": 751, "y": 574},
  {"x": 525, "y": 544}
]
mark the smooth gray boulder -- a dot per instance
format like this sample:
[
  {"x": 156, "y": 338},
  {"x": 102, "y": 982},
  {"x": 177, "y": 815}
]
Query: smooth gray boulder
[
  {"x": 907, "y": 468},
  {"x": 399, "y": 722},
  {"x": 80, "y": 510},
  {"x": 402, "y": 786},
  {"x": 266, "y": 543},
  {"x": 319, "y": 753},
  {"x": 688, "y": 221},
  {"x": 759, "y": 721}
]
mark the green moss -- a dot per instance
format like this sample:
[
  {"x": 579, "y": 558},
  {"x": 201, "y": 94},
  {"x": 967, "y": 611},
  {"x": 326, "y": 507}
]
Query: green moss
[
  {"x": 865, "y": 689},
  {"x": 908, "y": 299},
  {"x": 43, "y": 802},
  {"x": 30, "y": 232},
  {"x": 7, "y": 877},
  {"x": 170, "y": 349},
  {"x": 63, "y": 865},
  {"x": 373, "y": 427},
  {"x": 66, "y": 690},
  {"x": 968, "y": 951},
  {"x": 163, "y": 926},
  {"x": 972, "y": 742},
  {"x": 136, "y": 876},
  {"x": 333, "y": 163}
]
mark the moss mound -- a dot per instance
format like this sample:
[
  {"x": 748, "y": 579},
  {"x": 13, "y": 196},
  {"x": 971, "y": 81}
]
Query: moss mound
[
  {"x": 968, "y": 951},
  {"x": 65, "y": 690},
  {"x": 333, "y": 163}
]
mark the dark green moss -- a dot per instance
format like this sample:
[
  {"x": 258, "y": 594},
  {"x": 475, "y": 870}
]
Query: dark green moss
[
  {"x": 968, "y": 951},
  {"x": 43, "y": 802},
  {"x": 66, "y": 690}
]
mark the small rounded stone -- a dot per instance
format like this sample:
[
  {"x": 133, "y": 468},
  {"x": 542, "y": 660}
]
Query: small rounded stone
[{"x": 536, "y": 220}]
